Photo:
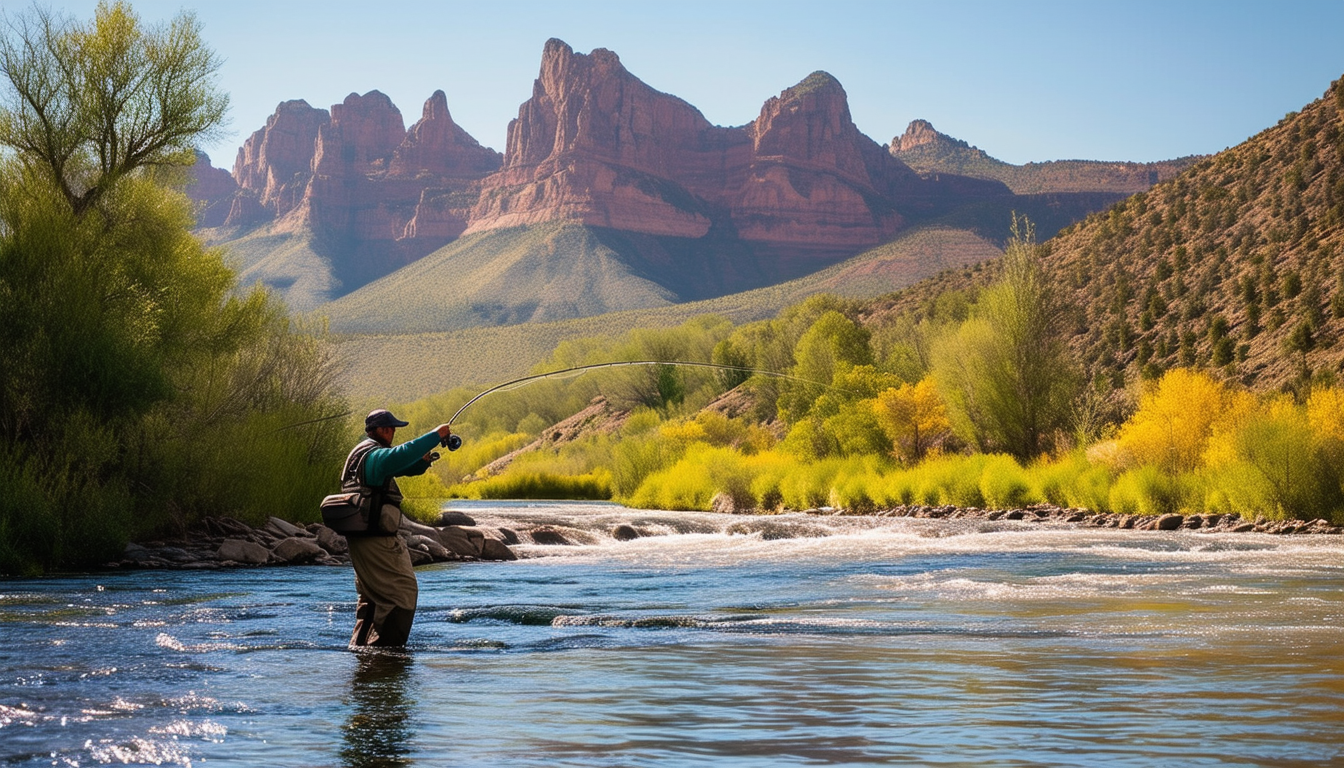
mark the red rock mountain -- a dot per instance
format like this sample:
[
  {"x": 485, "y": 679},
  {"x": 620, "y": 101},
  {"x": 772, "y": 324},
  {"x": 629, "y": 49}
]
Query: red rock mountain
[
  {"x": 213, "y": 190},
  {"x": 596, "y": 145},
  {"x": 378, "y": 195},
  {"x": 710, "y": 209}
]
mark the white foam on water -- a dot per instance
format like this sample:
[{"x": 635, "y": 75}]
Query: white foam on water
[
  {"x": 205, "y": 730},
  {"x": 139, "y": 751},
  {"x": 730, "y": 540},
  {"x": 19, "y": 715},
  {"x": 168, "y": 642}
]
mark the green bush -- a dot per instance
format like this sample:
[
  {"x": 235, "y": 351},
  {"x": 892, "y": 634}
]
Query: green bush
[
  {"x": 1073, "y": 482},
  {"x": 537, "y": 485},
  {"x": 950, "y": 480},
  {"x": 1146, "y": 491},
  {"x": 1004, "y": 484}
]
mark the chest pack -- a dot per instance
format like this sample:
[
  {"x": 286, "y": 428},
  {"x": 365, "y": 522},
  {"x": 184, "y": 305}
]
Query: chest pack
[{"x": 360, "y": 509}]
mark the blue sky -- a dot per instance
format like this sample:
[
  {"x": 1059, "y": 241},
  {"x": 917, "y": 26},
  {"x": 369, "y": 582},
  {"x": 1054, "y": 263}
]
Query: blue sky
[{"x": 1023, "y": 81}]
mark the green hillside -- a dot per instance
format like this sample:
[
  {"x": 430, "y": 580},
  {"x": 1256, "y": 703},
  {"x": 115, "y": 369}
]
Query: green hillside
[
  {"x": 561, "y": 271},
  {"x": 284, "y": 261},
  {"x": 501, "y": 277},
  {"x": 407, "y": 366}
]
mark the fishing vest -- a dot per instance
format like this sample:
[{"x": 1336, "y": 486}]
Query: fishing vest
[{"x": 361, "y": 509}]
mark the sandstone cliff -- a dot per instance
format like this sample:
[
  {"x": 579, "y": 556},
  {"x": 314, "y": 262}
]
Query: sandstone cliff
[
  {"x": 275, "y": 163},
  {"x": 212, "y": 189},
  {"x": 596, "y": 145},
  {"x": 367, "y": 194}
]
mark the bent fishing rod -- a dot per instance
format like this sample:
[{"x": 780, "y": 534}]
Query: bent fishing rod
[{"x": 452, "y": 442}]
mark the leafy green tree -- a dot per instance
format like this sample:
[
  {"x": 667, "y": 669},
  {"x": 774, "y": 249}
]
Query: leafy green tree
[
  {"x": 1007, "y": 375},
  {"x": 139, "y": 389},
  {"x": 831, "y": 346},
  {"x": 88, "y": 104},
  {"x": 1301, "y": 340}
]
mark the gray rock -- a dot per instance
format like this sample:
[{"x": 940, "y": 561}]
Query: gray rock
[
  {"x": 297, "y": 549},
  {"x": 624, "y": 532},
  {"x": 1169, "y": 522},
  {"x": 134, "y": 553},
  {"x": 549, "y": 536},
  {"x": 509, "y": 535},
  {"x": 433, "y": 547},
  {"x": 285, "y": 529},
  {"x": 453, "y": 517},
  {"x": 330, "y": 540},
  {"x": 462, "y": 540},
  {"x": 243, "y": 551},
  {"x": 175, "y": 555},
  {"x": 494, "y": 549}
]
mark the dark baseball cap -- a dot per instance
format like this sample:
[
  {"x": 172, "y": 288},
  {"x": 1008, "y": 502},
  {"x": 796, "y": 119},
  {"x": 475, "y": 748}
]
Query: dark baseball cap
[{"x": 382, "y": 418}]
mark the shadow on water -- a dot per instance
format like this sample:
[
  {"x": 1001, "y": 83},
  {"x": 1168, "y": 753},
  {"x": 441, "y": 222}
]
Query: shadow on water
[{"x": 378, "y": 733}]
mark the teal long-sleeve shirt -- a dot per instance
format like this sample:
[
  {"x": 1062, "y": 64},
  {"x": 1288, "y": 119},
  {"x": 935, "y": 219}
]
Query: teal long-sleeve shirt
[{"x": 404, "y": 460}]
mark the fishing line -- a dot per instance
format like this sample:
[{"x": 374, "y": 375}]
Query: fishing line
[{"x": 580, "y": 370}]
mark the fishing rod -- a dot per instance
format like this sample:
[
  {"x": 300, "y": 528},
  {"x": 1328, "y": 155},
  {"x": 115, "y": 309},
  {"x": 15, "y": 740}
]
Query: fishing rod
[
  {"x": 453, "y": 442},
  {"x": 579, "y": 370}
]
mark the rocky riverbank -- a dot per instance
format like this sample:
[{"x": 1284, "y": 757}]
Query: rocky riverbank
[
  {"x": 224, "y": 542},
  {"x": 228, "y": 543},
  {"x": 1046, "y": 513}
]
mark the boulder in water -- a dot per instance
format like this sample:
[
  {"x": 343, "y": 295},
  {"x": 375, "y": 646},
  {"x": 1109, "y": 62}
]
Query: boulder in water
[
  {"x": 330, "y": 540},
  {"x": 624, "y": 532},
  {"x": 548, "y": 536},
  {"x": 494, "y": 549},
  {"x": 284, "y": 529},
  {"x": 434, "y": 548},
  {"x": 463, "y": 541},
  {"x": 453, "y": 517}
]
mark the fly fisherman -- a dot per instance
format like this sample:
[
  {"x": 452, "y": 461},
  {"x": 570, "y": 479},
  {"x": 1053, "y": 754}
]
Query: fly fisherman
[{"x": 384, "y": 578}]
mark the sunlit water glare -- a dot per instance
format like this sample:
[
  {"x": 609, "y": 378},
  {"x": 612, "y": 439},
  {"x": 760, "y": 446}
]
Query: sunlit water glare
[{"x": 720, "y": 641}]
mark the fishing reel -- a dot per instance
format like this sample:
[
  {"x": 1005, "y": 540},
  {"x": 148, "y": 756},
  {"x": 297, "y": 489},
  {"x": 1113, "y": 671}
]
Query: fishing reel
[{"x": 451, "y": 442}]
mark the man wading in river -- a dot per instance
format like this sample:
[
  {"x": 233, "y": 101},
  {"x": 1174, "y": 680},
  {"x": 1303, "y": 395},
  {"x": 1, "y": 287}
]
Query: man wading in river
[{"x": 383, "y": 574}]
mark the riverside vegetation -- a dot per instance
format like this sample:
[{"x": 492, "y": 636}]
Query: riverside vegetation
[
  {"x": 140, "y": 388},
  {"x": 979, "y": 403}
]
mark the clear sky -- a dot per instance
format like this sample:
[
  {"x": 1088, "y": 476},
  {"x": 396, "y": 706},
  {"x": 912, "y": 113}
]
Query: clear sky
[{"x": 1024, "y": 81}]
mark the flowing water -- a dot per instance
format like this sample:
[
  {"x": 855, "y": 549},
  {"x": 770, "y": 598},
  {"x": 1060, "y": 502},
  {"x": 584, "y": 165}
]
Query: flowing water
[{"x": 721, "y": 641}]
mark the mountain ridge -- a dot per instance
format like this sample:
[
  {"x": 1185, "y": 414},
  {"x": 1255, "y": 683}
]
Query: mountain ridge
[
  {"x": 929, "y": 151},
  {"x": 1236, "y": 265}
]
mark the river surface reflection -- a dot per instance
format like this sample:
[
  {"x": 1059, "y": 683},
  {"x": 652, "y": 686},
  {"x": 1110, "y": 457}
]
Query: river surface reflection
[{"x": 792, "y": 641}]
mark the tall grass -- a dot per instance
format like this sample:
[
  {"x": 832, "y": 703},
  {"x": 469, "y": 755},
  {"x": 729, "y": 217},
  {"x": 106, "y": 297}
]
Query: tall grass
[{"x": 523, "y": 484}]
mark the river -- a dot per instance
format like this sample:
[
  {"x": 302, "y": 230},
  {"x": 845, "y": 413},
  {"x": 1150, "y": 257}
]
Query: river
[{"x": 783, "y": 641}]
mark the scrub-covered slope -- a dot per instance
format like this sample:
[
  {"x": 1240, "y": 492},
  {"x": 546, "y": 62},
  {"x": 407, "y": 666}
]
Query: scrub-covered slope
[{"x": 1235, "y": 265}]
